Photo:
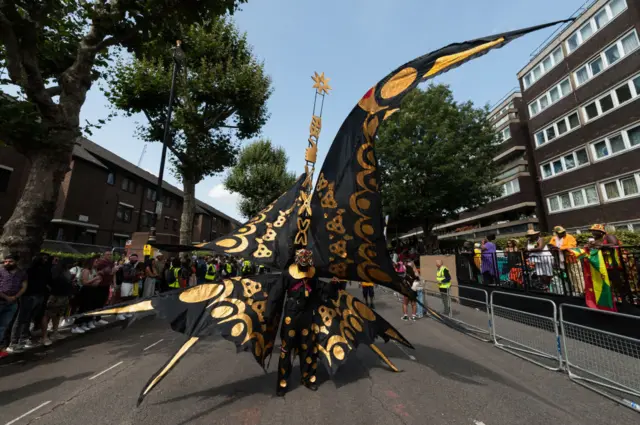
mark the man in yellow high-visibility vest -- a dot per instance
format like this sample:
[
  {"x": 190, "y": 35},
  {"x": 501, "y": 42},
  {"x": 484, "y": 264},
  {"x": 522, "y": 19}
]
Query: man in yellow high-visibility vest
[{"x": 444, "y": 283}]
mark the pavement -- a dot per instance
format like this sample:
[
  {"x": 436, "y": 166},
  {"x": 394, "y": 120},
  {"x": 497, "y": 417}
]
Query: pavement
[{"x": 450, "y": 378}]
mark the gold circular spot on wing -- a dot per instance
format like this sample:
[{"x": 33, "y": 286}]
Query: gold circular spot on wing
[
  {"x": 338, "y": 352},
  {"x": 305, "y": 332},
  {"x": 399, "y": 82},
  {"x": 283, "y": 383},
  {"x": 364, "y": 311},
  {"x": 312, "y": 379},
  {"x": 308, "y": 360},
  {"x": 237, "y": 329},
  {"x": 201, "y": 293},
  {"x": 287, "y": 320},
  {"x": 367, "y": 229},
  {"x": 292, "y": 333},
  {"x": 363, "y": 203},
  {"x": 227, "y": 243},
  {"x": 221, "y": 312}
]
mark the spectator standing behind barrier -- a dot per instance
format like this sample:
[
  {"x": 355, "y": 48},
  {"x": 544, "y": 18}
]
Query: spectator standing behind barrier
[
  {"x": 444, "y": 283},
  {"x": 540, "y": 257},
  {"x": 151, "y": 276},
  {"x": 417, "y": 286},
  {"x": 58, "y": 302},
  {"x": 13, "y": 283},
  {"x": 38, "y": 276},
  {"x": 489, "y": 261}
]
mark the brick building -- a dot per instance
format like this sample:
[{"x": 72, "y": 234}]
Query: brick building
[
  {"x": 519, "y": 207},
  {"x": 105, "y": 199},
  {"x": 581, "y": 92}
]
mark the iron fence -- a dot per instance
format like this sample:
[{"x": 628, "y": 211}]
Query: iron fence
[
  {"x": 552, "y": 271},
  {"x": 605, "y": 362},
  {"x": 533, "y": 337}
]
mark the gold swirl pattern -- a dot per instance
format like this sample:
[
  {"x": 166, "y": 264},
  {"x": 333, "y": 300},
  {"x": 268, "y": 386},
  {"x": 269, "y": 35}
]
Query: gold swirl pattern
[{"x": 345, "y": 324}]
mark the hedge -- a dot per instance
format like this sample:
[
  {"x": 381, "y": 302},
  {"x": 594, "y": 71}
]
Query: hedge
[{"x": 625, "y": 237}]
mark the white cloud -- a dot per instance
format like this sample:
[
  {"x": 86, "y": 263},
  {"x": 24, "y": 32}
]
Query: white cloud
[{"x": 225, "y": 201}]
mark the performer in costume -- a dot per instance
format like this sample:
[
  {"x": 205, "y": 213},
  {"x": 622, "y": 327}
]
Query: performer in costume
[
  {"x": 302, "y": 290},
  {"x": 341, "y": 220}
]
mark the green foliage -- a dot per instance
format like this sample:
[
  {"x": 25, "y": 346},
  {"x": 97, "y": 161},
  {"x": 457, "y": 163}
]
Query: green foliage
[
  {"x": 435, "y": 158},
  {"x": 221, "y": 95},
  {"x": 260, "y": 176},
  {"x": 56, "y": 48}
]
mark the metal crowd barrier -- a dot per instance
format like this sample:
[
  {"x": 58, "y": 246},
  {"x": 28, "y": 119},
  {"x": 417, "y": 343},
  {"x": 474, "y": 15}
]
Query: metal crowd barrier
[
  {"x": 601, "y": 360},
  {"x": 527, "y": 334},
  {"x": 472, "y": 314}
]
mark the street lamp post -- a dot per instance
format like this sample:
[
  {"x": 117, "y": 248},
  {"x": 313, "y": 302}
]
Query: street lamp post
[{"x": 178, "y": 56}]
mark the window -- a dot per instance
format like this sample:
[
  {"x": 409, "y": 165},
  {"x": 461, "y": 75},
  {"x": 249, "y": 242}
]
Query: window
[
  {"x": 175, "y": 224},
  {"x": 573, "y": 199},
  {"x": 166, "y": 223},
  {"x": 550, "y": 97},
  {"x": 147, "y": 219},
  {"x": 609, "y": 56},
  {"x": 547, "y": 64},
  {"x": 568, "y": 162},
  {"x": 510, "y": 187},
  {"x": 622, "y": 188},
  {"x": 600, "y": 19},
  {"x": 5, "y": 176},
  {"x": 151, "y": 194},
  {"x": 128, "y": 185},
  {"x": 558, "y": 129},
  {"x": 111, "y": 178},
  {"x": 615, "y": 98},
  {"x": 124, "y": 214},
  {"x": 504, "y": 135},
  {"x": 617, "y": 143}
]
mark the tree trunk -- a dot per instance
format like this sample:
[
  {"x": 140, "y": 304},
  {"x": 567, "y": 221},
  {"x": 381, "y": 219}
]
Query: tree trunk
[
  {"x": 188, "y": 210},
  {"x": 430, "y": 240},
  {"x": 25, "y": 231}
]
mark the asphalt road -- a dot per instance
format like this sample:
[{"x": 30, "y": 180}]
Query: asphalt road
[{"x": 449, "y": 379}]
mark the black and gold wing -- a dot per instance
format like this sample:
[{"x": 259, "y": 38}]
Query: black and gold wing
[
  {"x": 267, "y": 238},
  {"x": 343, "y": 322},
  {"x": 346, "y": 205},
  {"x": 234, "y": 308}
]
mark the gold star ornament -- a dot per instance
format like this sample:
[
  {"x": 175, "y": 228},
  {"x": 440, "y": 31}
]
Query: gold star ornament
[{"x": 321, "y": 83}]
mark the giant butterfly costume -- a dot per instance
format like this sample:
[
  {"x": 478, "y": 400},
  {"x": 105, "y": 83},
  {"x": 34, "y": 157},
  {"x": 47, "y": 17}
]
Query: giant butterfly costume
[{"x": 340, "y": 221}]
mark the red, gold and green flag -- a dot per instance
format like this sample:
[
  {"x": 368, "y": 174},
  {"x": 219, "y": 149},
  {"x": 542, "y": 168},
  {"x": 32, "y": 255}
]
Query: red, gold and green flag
[{"x": 597, "y": 286}]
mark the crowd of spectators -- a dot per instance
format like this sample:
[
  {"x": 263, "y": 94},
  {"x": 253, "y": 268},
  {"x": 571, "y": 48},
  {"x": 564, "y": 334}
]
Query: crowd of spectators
[{"x": 39, "y": 300}]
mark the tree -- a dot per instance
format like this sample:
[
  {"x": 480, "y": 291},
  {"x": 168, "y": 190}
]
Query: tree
[
  {"x": 436, "y": 159},
  {"x": 53, "y": 50},
  {"x": 221, "y": 96},
  {"x": 260, "y": 176}
]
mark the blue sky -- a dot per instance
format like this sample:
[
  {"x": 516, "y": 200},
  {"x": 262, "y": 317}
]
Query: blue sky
[{"x": 355, "y": 43}]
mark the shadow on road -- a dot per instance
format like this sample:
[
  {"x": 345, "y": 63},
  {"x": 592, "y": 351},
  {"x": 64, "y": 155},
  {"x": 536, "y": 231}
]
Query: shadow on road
[{"x": 16, "y": 394}]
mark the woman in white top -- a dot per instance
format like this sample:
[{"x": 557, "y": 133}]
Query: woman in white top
[{"x": 540, "y": 256}]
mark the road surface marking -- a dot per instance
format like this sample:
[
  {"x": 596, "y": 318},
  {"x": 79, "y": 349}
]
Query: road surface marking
[
  {"x": 105, "y": 371},
  {"x": 478, "y": 422},
  {"x": 154, "y": 344},
  {"x": 28, "y": 413},
  {"x": 404, "y": 351}
]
